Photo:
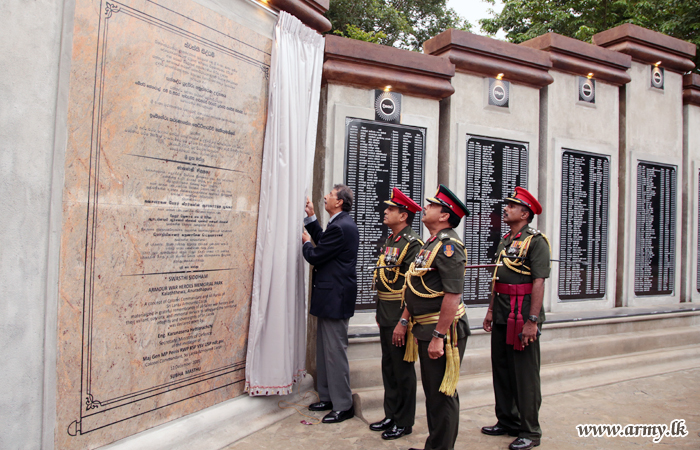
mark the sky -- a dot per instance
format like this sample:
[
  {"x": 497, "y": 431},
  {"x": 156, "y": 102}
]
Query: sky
[{"x": 473, "y": 10}]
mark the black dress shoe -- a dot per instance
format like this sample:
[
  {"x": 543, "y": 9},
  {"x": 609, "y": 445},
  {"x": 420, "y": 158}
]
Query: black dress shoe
[
  {"x": 321, "y": 406},
  {"x": 498, "y": 430},
  {"x": 415, "y": 448},
  {"x": 382, "y": 425},
  {"x": 339, "y": 416},
  {"x": 523, "y": 444},
  {"x": 396, "y": 432}
]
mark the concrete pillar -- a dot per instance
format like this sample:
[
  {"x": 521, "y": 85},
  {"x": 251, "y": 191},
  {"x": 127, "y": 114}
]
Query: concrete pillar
[
  {"x": 579, "y": 155},
  {"x": 691, "y": 192}
]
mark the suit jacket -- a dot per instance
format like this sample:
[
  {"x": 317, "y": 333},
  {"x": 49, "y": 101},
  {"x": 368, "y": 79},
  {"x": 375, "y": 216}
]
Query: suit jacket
[{"x": 334, "y": 280}]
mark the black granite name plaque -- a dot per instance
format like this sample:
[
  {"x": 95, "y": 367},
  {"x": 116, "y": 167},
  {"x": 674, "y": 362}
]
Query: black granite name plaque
[
  {"x": 583, "y": 241},
  {"x": 378, "y": 157},
  {"x": 494, "y": 168},
  {"x": 655, "y": 248}
]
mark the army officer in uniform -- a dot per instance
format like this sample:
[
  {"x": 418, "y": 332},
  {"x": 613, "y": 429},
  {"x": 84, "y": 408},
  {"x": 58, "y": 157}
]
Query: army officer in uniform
[
  {"x": 399, "y": 376},
  {"x": 434, "y": 285},
  {"x": 514, "y": 316}
]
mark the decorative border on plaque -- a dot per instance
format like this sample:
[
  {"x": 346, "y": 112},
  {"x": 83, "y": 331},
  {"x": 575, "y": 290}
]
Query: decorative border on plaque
[{"x": 93, "y": 406}]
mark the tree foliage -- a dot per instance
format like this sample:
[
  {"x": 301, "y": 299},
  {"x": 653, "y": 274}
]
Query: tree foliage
[
  {"x": 399, "y": 23},
  {"x": 581, "y": 19}
]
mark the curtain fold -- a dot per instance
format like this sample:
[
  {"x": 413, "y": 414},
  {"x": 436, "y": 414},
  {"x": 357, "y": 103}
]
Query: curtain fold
[{"x": 276, "y": 357}]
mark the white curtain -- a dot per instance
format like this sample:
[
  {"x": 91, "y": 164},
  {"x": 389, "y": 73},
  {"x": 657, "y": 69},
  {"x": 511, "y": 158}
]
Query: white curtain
[{"x": 276, "y": 357}]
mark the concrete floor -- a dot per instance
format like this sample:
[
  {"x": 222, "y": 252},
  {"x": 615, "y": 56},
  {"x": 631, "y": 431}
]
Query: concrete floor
[{"x": 653, "y": 400}]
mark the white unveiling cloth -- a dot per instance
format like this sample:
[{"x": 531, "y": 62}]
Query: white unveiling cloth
[{"x": 276, "y": 357}]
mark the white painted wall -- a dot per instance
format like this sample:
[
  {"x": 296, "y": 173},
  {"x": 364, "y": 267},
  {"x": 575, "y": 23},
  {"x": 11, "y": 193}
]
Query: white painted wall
[
  {"x": 654, "y": 132},
  {"x": 587, "y": 127}
]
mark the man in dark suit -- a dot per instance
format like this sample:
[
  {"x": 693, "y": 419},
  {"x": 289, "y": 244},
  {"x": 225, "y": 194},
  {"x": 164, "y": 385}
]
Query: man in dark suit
[{"x": 333, "y": 294}]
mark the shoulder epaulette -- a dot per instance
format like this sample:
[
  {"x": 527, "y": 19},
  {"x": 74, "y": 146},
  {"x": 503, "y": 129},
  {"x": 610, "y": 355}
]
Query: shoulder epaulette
[
  {"x": 447, "y": 237},
  {"x": 533, "y": 232},
  {"x": 458, "y": 241}
]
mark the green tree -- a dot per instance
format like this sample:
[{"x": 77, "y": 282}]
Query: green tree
[
  {"x": 581, "y": 19},
  {"x": 399, "y": 23}
]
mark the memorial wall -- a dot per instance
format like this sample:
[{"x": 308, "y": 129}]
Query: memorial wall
[
  {"x": 378, "y": 129},
  {"x": 651, "y": 165},
  {"x": 167, "y": 110},
  {"x": 579, "y": 152},
  {"x": 132, "y": 192},
  {"x": 489, "y": 132}
]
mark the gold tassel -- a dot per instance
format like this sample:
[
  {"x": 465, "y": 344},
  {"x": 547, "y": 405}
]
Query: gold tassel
[
  {"x": 411, "y": 353},
  {"x": 449, "y": 381}
]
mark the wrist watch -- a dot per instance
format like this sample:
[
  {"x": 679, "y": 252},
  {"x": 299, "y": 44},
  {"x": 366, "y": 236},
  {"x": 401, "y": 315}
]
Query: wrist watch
[
  {"x": 403, "y": 322},
  {"x": 533, "y": 319},
  {"x": 439, "y": 335}
]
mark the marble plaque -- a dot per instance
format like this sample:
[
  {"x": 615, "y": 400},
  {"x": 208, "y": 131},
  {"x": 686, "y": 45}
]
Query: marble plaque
[{"x": 166, "y": 121}]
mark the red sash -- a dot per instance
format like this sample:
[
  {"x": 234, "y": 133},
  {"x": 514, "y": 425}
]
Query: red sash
[{"x": 517, "y": 294}]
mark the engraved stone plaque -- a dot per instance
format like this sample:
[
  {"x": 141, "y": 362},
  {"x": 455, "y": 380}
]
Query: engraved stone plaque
[
  {"x": 379, "y": 156},
  {"x": 583, "y": 241},
  {"x": 494, "y": 168},
  {"x": 655, "y": 239},
  {"x": 166, "y": 122}
]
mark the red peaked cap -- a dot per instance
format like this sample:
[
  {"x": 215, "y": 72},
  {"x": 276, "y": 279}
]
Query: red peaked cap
[
  {"x": 523, "y": 197},
  {"x": 446, "y": 197},
  {"x": 402, "y": 200}
]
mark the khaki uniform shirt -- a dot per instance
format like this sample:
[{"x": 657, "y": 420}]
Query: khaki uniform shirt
[
  {"x": 389, "y": 311},
  {"x": 537, "y": 259},
  {"x": 448, "y": 277}
]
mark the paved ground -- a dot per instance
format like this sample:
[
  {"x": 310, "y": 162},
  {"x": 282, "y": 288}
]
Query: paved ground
[{"x": 654, "y": 400}]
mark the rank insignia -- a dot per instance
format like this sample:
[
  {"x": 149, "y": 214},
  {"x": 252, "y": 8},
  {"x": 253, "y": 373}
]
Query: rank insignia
[
  {"x": 397, "y": 239},
  {"x": 449, "y": 250}
]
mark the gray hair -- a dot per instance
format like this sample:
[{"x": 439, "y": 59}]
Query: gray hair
[{"x": 345, "y": 194}]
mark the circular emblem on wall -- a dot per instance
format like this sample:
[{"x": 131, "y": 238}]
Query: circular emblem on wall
[
  {"x": 386, "y": 107},
  {"x": 586, "y": 90},
  {"x": 498, "y": 93},
  {"x": 657, "y": 77}
]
